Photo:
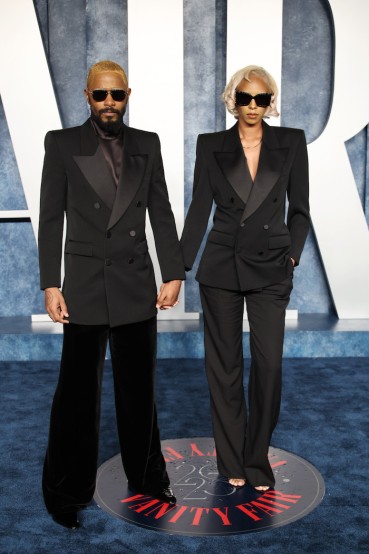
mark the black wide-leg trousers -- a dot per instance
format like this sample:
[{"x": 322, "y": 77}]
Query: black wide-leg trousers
[
  {"x": 71, "y": 459},
  {"x": 242, "y": 436}
]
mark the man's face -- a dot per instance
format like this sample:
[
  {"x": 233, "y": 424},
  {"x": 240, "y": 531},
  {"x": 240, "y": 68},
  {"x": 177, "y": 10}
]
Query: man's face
[{"x": 108, "y": 113}]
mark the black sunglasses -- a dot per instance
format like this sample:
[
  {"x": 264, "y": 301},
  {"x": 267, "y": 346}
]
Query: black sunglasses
[
  {"x": 262, "y": 100},
  {"x": 101, "y": 94}
]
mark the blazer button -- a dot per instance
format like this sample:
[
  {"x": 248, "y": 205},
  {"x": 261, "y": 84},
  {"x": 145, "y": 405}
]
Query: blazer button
[
  {"x": 107, "y": 261},
  {"x": 232, "y": 199},
  {"x": 266, "y": 227},
  {"x": 242, "y": 225},
  {"x": 131, "y": 260},
  {"x": 96, "y": 205},
  {"x": 132, "y": 233},
  {"x": 260, "y": 253},
  {"x": 139, "y": 204},
  {"x": 108, "y": 234}
]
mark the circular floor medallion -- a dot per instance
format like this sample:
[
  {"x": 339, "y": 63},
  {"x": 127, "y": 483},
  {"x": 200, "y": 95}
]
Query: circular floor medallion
[{"x": 206, "y": 503}]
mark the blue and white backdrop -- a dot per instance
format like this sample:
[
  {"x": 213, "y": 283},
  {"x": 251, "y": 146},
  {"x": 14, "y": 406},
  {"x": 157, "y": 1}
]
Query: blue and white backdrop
[{"x": 179, "y": 55}]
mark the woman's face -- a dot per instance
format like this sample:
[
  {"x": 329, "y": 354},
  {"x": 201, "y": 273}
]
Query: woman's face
[{"x": 252, "y": 114}]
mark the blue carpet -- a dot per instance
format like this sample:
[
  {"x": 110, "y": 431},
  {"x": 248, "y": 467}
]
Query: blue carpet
[{"x": 324, "y": 419}]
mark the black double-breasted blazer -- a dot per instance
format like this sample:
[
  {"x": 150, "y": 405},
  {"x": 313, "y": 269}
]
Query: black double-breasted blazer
[
  {"x": 252, "y": 239},
  {"x": 109, "y": 277}
]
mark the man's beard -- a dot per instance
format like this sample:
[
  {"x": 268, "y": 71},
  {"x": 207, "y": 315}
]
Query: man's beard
[{"x": 108, "y": 126}]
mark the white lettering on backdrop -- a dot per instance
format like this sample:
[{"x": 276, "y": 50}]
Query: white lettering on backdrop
[{"x": 338, "y": 218}]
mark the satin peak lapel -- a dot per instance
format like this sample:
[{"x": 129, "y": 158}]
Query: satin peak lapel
[
  {"x": 271, "y": 162},
  {"x": 133, "y": 171},
  {"x": 96, "y": 172},
  {"x": 93, "y": 166},
  {"x": 232, "y": 163}
]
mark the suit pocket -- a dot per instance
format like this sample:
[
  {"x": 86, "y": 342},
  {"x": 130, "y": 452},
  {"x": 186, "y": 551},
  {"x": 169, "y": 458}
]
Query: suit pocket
[
  {"x": 224, "y": 239},
  {"x": 279, "y": 241},
  {"x": 78, "y": 248}
]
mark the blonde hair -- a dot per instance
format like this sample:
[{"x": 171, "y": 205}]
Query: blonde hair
[
  {"x": 103, "y": 66},
  {"x": 247, "y": 72}
]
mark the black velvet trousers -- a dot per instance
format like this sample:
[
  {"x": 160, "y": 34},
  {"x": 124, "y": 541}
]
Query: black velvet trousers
[
  {"x": 71, "y": 459},
  {"x": 242, "y": 437}
]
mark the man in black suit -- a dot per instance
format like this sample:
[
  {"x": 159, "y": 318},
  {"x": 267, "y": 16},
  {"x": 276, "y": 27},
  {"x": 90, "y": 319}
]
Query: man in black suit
[{"x": 103, "y": 176}]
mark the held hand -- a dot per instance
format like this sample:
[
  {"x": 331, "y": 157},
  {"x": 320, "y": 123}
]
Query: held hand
[
  {"x": 55, "y": 305},
  {"x": 168, "y": 295},
  {"x": 293, "y": 262}
]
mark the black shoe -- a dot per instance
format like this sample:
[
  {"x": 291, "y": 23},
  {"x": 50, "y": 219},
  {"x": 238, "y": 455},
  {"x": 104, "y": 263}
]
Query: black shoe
[
  {"x": 166, "y": 495},
  {"x": 68, "y": 520}
]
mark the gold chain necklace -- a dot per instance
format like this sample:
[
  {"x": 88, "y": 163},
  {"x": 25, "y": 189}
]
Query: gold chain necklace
[{"x": 254, "y": 146}]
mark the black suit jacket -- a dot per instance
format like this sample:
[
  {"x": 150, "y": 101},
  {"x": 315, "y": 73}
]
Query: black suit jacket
[
  {"x": 109, "y": 277},
  {"x": 249, "y": 245}
]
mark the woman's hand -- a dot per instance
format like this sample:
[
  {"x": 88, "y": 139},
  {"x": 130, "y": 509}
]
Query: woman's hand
[{"x": 168, "y": 295}]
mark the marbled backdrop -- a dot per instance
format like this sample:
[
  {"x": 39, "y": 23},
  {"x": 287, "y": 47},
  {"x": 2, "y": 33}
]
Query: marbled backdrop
[{"x": 75, "y": 35}]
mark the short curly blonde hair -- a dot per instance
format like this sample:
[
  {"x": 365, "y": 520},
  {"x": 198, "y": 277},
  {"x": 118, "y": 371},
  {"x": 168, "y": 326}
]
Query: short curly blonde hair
[
  {"x": 247, "y": 72},
  {"x": 102, "y": 67}
]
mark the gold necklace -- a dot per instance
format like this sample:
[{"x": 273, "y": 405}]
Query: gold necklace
[{"x": 254, "y": 146}]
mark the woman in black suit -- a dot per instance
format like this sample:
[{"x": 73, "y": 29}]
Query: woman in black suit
[{"x": 250, "y": 255}]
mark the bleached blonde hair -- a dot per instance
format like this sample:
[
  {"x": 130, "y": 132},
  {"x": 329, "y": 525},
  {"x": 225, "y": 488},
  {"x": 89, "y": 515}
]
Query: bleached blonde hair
[
  {"x": 247, "y": 72},
  {"x": 102, "y": 67}
]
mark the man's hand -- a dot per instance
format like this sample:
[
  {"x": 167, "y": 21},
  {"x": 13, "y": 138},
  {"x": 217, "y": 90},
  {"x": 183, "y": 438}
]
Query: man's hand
[
  {"x": 55, "y": 305},
  {"x": 168, "y": 295}
]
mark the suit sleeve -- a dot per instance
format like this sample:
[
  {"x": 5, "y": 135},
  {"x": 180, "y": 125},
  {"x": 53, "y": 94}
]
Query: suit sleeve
[
  {"x": 52, "y": 208},
  {"x": 298, "y": 216},
  {"x": 199, "y": 211},
  {"x": 163, "y": 223}
]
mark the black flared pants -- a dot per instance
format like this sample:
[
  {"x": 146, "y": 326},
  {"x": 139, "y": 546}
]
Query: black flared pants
[
  {"x": 242, "y": 437},
  {"x": 71, "y": 459}
]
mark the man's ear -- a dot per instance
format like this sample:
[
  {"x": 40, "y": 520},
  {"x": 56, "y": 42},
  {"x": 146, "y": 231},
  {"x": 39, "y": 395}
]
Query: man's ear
[{"x": 85, "y": 92}]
